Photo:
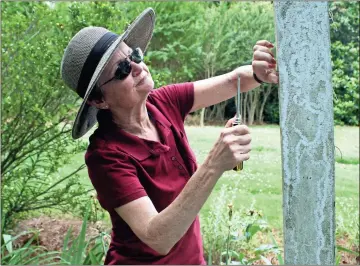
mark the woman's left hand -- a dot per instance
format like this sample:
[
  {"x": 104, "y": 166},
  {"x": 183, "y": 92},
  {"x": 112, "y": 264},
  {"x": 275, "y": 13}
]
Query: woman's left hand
[{"x": 264, "y": 63}]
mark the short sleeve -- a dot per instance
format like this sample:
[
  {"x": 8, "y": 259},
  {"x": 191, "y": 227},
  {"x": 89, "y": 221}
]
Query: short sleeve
[
  {"x": 114, "y": 178},
  {"x": 181, "y": 95}
]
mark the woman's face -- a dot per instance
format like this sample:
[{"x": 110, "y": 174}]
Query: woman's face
[{"x": 130, "y": 91}]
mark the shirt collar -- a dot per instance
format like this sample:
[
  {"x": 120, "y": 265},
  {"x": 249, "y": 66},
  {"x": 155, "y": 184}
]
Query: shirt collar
[{"x": 133, "y": 145}]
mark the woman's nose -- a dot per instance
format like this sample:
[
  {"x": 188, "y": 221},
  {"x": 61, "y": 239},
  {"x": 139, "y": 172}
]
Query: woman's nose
[{"x": 136, "y": 68}]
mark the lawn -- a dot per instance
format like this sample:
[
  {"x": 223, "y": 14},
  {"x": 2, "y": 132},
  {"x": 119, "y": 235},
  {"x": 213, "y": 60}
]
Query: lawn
[
  {"x": 261, "y": 182},
  {"x": 261, "y": 179}
]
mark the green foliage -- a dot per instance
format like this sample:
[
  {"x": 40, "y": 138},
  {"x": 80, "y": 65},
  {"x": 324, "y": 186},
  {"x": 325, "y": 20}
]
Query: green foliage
[
  {"x": 229, "y": 232},
  {"x": 36, "y": 110},
  {"x": 37, "y": 107},
  {"x": 345, "y": 61},
  {"x": 82, "y": 252},
  {"x": 77, "y": 251},
  {"x": 28, "y": 254}
]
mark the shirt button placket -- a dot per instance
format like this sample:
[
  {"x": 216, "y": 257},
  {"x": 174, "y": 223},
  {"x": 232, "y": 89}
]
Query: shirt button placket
[{"x": 178, "y": 165}]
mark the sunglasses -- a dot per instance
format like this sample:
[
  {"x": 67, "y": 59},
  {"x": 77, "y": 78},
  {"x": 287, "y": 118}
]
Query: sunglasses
[{"x": 124, "y": 67}]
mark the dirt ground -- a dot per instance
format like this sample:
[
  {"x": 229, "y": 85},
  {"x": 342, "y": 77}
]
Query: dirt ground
[{"x": 53, "y": 231}]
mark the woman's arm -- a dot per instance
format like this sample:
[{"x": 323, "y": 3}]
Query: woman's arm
[
  {"x": 220, "y": 88},
  {"x": 211, "y": 91},
  {"x": 161, "y": 231}
]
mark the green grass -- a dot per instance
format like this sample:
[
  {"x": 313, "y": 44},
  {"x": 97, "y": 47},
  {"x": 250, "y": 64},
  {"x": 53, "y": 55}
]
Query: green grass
[
  {"x": 261, "y": 179},
  {"x": 347, "y": 160}
]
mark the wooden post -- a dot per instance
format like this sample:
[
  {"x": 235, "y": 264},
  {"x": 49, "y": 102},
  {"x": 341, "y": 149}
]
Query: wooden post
[{"x": 307, "y": 131}]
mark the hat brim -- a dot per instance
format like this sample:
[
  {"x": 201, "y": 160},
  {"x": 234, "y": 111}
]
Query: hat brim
[{"x": 138, "y": 34}]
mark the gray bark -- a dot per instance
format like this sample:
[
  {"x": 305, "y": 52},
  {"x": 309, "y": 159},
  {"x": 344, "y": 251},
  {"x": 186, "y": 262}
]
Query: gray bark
[
  {"x": 307, "y": 131},
  {"x": 266, "y": 94}
]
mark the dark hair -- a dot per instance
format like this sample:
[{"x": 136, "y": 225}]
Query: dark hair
[
  {"x": 104, "y": 117},
  {"x": 96, "y": 94}
]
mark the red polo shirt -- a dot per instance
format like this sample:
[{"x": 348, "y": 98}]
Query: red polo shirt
[{"x": 123, "y": 167}]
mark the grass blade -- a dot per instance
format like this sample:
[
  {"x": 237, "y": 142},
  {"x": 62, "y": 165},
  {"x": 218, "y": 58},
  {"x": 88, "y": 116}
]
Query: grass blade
[
  {"x": 81, "y": 245},
  {"x": 8, "y": 242},
  {"x": 347, "y": 250},
  {"x": 279, "y": 257},
  {"x": 40, "y": 256}
]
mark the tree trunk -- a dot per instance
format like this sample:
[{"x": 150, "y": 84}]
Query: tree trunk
[
  {"x": 266, "y": 93},
  {"x": 207, "y": 75},
  {"x": 244, "y": 107},
  {"x": 307, "y": 131},
  {"x": 202, "y": 116},
  {"x": 251, "y": 105}
]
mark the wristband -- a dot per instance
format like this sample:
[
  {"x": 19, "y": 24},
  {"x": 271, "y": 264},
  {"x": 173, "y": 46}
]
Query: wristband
[{"x": 257, "y": 79}]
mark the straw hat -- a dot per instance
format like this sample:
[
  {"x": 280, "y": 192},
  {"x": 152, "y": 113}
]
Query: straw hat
[{"x": 86, "y": 56}]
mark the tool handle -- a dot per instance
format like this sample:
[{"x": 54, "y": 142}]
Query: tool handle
[{"x": 240, "y": 166}]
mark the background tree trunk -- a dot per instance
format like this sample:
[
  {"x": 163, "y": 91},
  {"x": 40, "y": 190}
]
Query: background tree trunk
[
  {"x": 266, "y": 92},
  {"x": 253, "y": 99}
]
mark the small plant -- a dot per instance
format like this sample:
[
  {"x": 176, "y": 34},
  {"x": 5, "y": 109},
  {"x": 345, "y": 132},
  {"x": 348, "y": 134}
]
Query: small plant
[
  {"x": 30, "y": 253},
  {"x": 79, "y": 251},
  {"x": 228, "y": 233}
]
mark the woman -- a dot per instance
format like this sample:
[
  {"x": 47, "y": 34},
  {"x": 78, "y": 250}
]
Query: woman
[{"x": 139, "y": 159}]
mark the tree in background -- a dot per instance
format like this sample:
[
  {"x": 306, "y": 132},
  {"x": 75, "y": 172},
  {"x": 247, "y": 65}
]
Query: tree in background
[
  {"x": 344, "y": 18},
  {"x": 215, "y": 41}
]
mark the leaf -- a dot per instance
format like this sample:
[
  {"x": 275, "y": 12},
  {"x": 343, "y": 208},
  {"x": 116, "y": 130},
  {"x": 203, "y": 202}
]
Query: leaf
[
  {"x": 43, "y": 261},
  {"x": 264, "y": 248},
  {"x": 251, "y": 230},
  {"x": 348, "y": 250},
  {"x": 279, "y": 257},
  {"x": 65, "y": 255},
  {"x": 266, "y": 260},
  {"x": 8, "y": 242},
  {"x": 79, "y": 247},
  {"x": 93, "y": 258}
]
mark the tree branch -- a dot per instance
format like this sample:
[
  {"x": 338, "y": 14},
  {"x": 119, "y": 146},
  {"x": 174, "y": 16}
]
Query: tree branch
[
  {"x": 61, "y": 180},
  {"x": 6, "y": 167}
]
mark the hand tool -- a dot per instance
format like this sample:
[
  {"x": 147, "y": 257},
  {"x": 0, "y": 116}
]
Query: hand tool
[{"x": 238, "y": 120}]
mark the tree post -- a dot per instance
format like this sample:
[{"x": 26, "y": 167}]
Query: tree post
[{"x": 307, "y": 131}]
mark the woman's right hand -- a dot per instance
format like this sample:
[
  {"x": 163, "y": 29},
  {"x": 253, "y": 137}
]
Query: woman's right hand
[{"x": 232, "y": 147}]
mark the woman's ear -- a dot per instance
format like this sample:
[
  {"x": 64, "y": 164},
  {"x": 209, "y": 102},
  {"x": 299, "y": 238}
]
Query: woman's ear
[{"x": 100, "y": 104}]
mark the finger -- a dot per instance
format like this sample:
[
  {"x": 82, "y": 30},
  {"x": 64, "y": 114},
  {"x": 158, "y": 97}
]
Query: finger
[
  {"x": 243, "y": 157},
  {"x": 237, "y": 130},
  {"x": 265, "y": 43},
  {"x": 240, "y": 140},
  {"x": 245, "y": 148},
  {"x": 244, "y": 140},
  {"x": 263, "y": 56},
  {"x": 240, "y": 130},
  {"x": 274, "y": 77},
  {"x": 262, "y": 66},
  {"x": 230, "y": 122},
  {"x": 262, "y": 49}
]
